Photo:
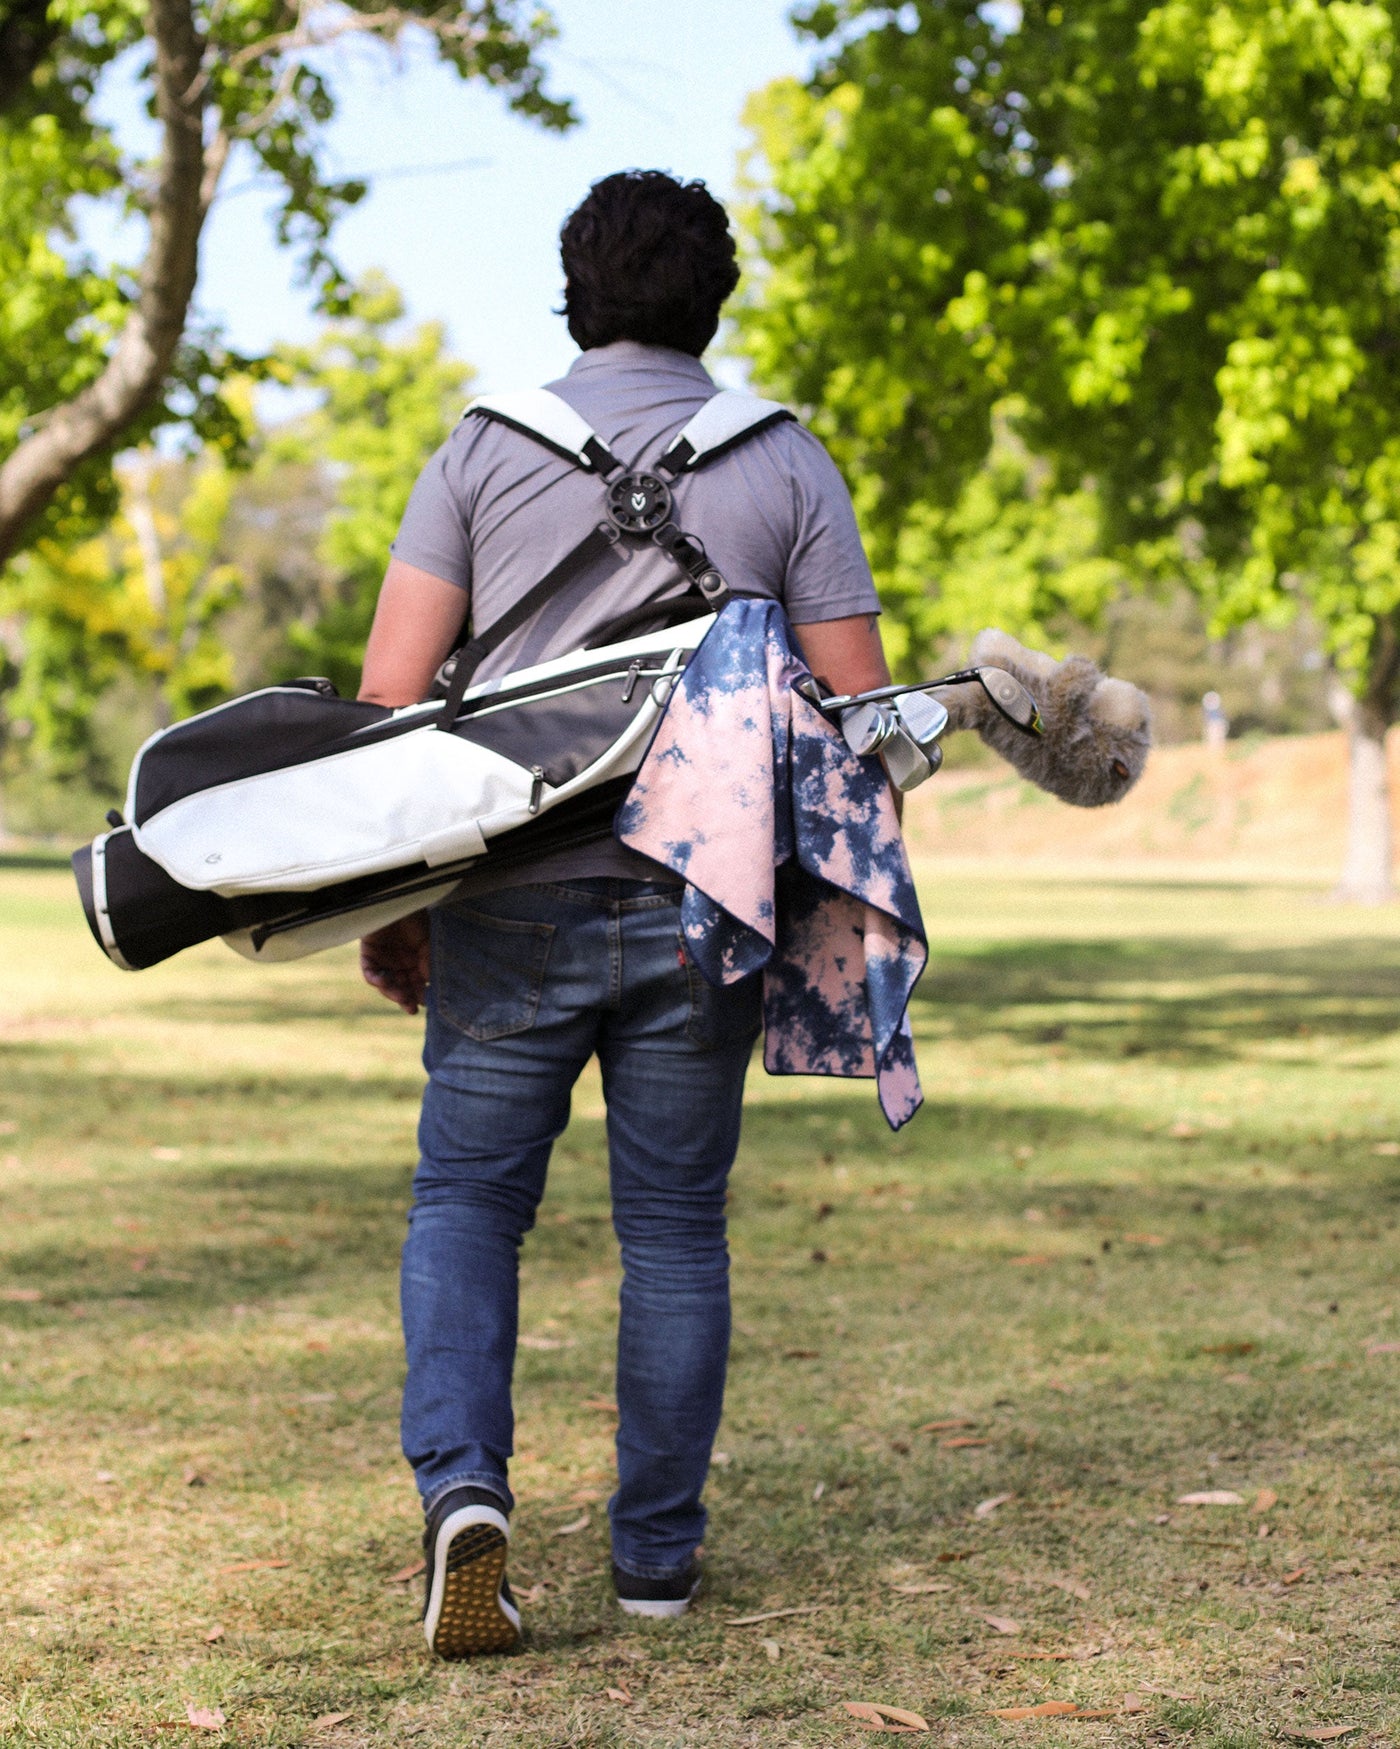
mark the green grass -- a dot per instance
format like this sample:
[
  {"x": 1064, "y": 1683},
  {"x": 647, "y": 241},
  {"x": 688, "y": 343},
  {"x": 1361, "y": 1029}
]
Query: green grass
[{"x": 1141, "y": 1236}]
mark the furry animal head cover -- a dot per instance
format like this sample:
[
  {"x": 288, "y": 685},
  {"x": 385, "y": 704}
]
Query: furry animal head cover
[{"x": 1097, "y": 731}]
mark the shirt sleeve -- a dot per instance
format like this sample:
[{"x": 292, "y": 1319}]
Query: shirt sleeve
[
  {"x": 828, "y": 575},
  {"x": 433, "y": 534}
]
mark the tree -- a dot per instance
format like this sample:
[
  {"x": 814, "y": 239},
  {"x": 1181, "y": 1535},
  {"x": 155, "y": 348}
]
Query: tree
[
  {"x": 1185, "y": 269},
  {"x": 92, "y": 359},
  {"x": 144, "y": 599},
  {"x": 384, "y": 401},
  {"x": 209, "y": 575}
]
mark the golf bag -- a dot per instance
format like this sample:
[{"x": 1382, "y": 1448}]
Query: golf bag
[{"x": 291, "y": 819}]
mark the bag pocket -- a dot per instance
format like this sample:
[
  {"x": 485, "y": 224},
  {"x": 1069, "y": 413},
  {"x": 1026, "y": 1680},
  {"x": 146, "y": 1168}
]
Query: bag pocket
[
  {"x": 723, "y": 1016},
  {"x": 488, "y": 972}
]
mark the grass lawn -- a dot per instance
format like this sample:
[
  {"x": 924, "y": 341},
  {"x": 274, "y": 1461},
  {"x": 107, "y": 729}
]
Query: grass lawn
[{"x": 1138, "y": 1244}]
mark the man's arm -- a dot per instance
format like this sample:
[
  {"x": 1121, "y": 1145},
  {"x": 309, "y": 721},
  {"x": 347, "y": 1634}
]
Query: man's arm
[
  {"x": 845, "y": 654},
  {"x": 417, "y": 624}
]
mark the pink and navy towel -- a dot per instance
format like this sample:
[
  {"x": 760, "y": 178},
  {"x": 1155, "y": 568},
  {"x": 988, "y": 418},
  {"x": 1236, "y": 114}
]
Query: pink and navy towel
[{"x": 792, "y": 857}]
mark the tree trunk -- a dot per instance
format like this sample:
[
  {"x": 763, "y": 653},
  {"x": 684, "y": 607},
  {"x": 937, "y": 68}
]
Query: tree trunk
[
  {"x": 97, "y": 417},
  {"x": 1367, "y": 873}
]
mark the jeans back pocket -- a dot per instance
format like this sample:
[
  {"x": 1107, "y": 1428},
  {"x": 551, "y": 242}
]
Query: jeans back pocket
[
  {"x": 727, "y": 1015},
  {"x": 488, "y": 972}
]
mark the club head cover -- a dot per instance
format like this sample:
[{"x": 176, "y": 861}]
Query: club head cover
[{"x": 1097, "y": 731}]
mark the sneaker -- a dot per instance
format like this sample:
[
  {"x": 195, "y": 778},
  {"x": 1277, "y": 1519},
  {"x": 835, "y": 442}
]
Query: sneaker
[
  {"x": 469, "y": 1609},
  {"x": 658, "y": 1598}
]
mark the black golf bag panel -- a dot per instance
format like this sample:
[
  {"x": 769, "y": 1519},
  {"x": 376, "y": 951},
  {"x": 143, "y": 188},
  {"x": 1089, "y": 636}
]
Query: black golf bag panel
[{"x": 290, "y": 820}]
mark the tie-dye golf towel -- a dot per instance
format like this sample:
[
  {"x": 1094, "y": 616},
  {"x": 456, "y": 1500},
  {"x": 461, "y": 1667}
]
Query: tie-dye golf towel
[{"x": 792, "y": 857}]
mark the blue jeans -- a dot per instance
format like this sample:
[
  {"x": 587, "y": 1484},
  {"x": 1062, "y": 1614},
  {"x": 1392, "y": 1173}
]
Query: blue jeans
[{"x": 526, "y": 985}]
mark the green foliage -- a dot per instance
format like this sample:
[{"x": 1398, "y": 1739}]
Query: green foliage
[
  {"x": 211, "y": 577},
  {"x": 269, "y": 97},
  {"x": 1011, "y": 552},
  {"x": 384, "y": 401},
  {"x": 1172, "y": 230},
  {"x": 143, "y": 601}
]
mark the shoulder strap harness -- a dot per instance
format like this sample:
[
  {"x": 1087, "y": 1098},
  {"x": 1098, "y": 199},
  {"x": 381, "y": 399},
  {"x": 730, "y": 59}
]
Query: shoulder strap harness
[{"x": 638, "y": 505}]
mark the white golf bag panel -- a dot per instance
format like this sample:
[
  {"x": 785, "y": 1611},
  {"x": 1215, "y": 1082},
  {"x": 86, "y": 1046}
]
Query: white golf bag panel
[{"x": 382, "y": 801}]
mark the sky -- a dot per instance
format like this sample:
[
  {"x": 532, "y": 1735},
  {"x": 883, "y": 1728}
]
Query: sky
[{"x": 475, "y": 244}]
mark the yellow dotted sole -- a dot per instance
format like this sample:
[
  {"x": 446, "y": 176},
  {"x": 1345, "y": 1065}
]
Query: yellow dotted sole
[{"x": 472, "y": 1620}]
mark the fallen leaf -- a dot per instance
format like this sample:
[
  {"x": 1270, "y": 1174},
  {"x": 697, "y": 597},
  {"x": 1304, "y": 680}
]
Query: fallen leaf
[
  {"x": 326, "y": 1720},
  {"x": 411, "y": 1571},
  {"x": 1072, "y": 1586},
  {"x": 193, "y": 1479},
  {"x": 1265, "y": 1500},
  {"x": 957, "y": 1555},
  {"x": 1002, "y": 1623},
  {"x": 601, "y": 1403},
  {"x": 1320, "y": 1733},
  {"x": 250, "y": 1566},
  {"x": 1382, "y": 1348},
  {"x": 924, "y": 1588},
  {"x": 750, "y": 1621},
  {"x": 1230, "y": 1348},
  {"x": 573, "y": 1528},
  {"x": 818, "y": 1491},
  {"x": 884, "y": 1718},
  {"x": 772, "y": 1650},
  {"x": 1143, "y": 1239},
  {"x": 721, "y": 1459},
  {"x": 1048, "y": 1709},
  {"x": 169, "y": 1154},
  {"x": 987, "y": 1507},
  {"x": 106, "y": 1477},
  {"x": 23, "y": 1296},
  {"x": 943, "y": 1426},
  {"x": 213, "y": 1635},
  {"x": 802, "y": 1354},
  {"x": 1211, "y": 1497},
  {"x": 961, "y": 1443},
  {"x": 1293, "y": 1577},
  {"x": 543, "y": 1342},
  {"x": 1181, "y": 1131},
  {"x": 1030, "y": 1257},
  {"x": 1133, "y": 1703},
  {"x": 1387, "y": 1150},
  {"x": 205, "y": 1718}
]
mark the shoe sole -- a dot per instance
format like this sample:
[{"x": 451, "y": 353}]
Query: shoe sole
[
  {"x": 658, "y": 1608},
  {"x": 466, "y": 1614}
]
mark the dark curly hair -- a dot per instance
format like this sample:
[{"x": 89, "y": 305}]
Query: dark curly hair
[{"x": 647, "y": 258}]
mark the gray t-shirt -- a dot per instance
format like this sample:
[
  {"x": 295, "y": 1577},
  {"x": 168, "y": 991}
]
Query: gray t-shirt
[{"x": 494, "y": 511}]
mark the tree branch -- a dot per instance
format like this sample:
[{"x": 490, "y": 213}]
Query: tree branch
[{"x": 135, "y": 373}]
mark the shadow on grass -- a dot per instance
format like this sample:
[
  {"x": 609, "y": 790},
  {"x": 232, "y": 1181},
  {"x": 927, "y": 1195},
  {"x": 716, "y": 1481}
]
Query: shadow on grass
[
  {"x": 31, "y": 859},
  {"x": 179, "y": 1237},
  {"x": 1177, "y": 1000}
]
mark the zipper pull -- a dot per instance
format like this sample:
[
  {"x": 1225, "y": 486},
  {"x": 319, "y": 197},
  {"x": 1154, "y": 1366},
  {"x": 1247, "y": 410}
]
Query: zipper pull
[
  {"x": 536, "y": 788},
  {"x": 634, "y": 674}
]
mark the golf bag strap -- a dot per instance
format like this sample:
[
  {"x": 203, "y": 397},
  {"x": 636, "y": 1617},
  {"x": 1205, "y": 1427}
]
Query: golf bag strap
[
  {"x": 470, "y": 656},
  {"x": 550, "y": 421},
  {"x": 727, "y": 419}
]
